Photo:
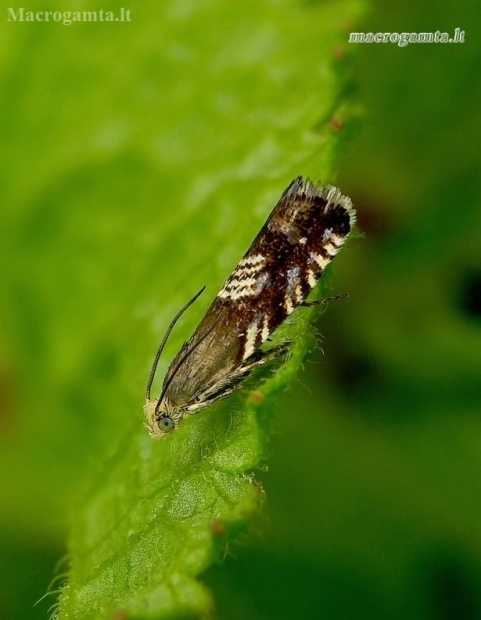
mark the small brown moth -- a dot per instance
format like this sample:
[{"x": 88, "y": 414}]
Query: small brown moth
[{"x": 302, "y": 235}]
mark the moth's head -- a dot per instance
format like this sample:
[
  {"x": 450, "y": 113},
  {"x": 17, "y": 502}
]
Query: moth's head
[{"x": 161, "y": 420}]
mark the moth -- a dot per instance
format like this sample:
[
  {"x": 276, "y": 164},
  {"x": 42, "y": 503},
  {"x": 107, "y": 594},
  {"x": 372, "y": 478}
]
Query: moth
[{"x": 304, "y": 232}]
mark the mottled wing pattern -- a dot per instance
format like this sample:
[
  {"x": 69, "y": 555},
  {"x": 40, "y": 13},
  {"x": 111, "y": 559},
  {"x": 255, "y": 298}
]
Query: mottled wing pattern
[
  {"x": 304, "y": 232},
  {"x": 302, "y": 235}
]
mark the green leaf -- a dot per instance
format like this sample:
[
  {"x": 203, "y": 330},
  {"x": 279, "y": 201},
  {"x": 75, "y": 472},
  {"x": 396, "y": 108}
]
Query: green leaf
[{"x": 153, "y": 162}]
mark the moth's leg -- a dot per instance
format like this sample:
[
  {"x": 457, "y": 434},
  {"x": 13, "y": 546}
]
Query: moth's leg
[
  {"x": 230, "y": 382},
  {"x": 207, "y": 400},
  {"x": 328, "y": 300},
  {"x": 222, "y": 388},
  {"x": 272, "y": 353}
]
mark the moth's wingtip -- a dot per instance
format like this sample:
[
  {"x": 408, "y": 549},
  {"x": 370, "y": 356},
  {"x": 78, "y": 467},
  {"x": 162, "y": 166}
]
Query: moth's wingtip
[
  {"x": 299, "y": 185},
  {"x": 293, "y": 188},
  {"x": 330, "y": 193},
  {"x": 346, "y": 202},
  {"x": 333, "y": 196}
]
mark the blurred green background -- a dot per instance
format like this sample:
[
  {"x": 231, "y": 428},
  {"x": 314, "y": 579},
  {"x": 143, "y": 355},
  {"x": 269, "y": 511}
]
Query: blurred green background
[{"x": 373, "y": 484}]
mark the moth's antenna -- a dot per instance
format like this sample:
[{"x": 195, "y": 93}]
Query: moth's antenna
[{"x": 164, "y": 340}]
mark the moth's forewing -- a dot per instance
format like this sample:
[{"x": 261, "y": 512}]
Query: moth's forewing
[
  {"x": 212, "y": 352},
  {"x": 303, "y": 233}
]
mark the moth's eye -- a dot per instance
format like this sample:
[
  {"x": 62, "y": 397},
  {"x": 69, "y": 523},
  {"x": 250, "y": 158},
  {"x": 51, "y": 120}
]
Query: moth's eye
[{"x": 166, "y": 424}]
